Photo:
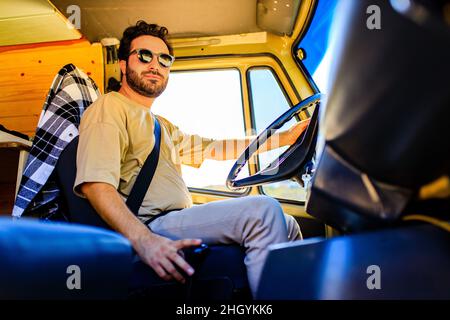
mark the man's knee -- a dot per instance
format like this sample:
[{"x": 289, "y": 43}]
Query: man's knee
[
  {"x": 265, "y": 202},
  {"x": 264, "y": 218},
  {"x": 293, "y": 228},
  {"x": 264, "y": 207}
]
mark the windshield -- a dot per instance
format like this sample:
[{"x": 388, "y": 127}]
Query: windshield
[{"x": 317, "y": 44}]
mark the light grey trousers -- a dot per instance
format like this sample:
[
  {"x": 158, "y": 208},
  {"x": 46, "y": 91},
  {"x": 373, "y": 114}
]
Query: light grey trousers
[{"x": 254, "y": 222}]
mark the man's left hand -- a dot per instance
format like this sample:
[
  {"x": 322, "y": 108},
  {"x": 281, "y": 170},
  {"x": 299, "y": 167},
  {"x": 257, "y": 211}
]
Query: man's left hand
[{"x": 290, "y": 136}]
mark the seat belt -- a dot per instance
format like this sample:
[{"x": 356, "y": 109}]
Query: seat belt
[{"x": 146, "y": 174}]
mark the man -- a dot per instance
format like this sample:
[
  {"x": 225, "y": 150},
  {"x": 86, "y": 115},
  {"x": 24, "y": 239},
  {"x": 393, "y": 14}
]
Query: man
[{"x": 116, "y": 136}]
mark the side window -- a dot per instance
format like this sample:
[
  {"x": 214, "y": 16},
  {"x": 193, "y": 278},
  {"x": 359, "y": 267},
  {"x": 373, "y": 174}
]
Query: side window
[
  {"x": 207, "y": 103},
  {"x": 268, "y": 103}
]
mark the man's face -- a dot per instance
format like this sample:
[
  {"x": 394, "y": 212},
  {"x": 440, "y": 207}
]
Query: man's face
[{"x": 148, "y": 79}]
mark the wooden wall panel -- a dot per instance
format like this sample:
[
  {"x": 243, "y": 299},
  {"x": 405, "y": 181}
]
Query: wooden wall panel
[{"x": 26, "y": 73}]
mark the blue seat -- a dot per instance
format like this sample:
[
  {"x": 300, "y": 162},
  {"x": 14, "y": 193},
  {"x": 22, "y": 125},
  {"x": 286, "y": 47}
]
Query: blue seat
[
  {"x": 413, "y": 263},
  {"x": 36, "y": 258}
]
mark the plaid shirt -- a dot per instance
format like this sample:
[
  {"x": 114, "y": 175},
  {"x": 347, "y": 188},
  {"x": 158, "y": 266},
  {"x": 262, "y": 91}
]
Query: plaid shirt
[{"x": 72, "y": 91}]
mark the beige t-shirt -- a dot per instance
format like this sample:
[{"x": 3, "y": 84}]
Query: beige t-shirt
[{"x": 116, "y": 136}]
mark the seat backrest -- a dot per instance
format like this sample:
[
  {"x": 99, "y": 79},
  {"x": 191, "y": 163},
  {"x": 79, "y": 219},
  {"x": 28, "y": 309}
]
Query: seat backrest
[
  {"x": 71, "y": 93},
  {"x": 79, "y": 209}
]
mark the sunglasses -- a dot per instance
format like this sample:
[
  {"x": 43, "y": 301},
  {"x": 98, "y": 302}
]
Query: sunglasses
[{"x": 146, "y": 56}]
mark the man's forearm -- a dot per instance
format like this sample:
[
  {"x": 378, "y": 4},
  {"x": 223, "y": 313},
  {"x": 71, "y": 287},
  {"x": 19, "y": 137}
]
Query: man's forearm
[
  {"x": 109, "y": 205},
  {"x": 230, "y": 149}
]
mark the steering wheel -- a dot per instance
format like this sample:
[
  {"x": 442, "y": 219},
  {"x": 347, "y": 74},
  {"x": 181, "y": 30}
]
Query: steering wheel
[{"x": 291, "y": 161}]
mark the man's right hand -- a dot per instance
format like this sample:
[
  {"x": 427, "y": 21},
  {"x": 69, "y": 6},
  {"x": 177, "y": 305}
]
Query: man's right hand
[
  {"x": 160, "y": 253},
  {"x": 165, "y": 255}
]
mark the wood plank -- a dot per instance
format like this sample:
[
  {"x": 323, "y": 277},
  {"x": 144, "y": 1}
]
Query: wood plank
[
  {"x": 83, "y": 42},
  {"x": 23, "y": 124},
  {"x": 26, "y": 74},
  {"x": 6, "y": 138},
  {"x": 22, "y": 108}
]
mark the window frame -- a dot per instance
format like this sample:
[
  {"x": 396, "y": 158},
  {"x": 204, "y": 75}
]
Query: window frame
[
  {"x": 260, "y": 188},
  {"x": 296, "y": 46}
]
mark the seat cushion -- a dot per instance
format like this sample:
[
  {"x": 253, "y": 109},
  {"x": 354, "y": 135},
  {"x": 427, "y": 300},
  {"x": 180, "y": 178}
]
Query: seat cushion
[{"x": 36, "y": 256}]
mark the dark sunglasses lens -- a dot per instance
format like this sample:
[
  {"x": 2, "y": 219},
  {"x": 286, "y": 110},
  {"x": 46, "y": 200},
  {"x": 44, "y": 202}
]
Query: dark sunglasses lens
[
  {"x": 165, "y": 60},
  {"x": 145, "y": 56}
]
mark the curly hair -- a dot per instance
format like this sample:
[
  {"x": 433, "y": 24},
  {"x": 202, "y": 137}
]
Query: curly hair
[{"x": 141, "y": 28}]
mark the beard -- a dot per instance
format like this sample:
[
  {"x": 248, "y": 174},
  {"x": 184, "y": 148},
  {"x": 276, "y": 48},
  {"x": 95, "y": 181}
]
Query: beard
[{"x": 151, "y": 88}]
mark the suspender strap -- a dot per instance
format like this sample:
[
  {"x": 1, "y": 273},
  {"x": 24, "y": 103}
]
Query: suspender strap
[{"x": 146, "y": 174}]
